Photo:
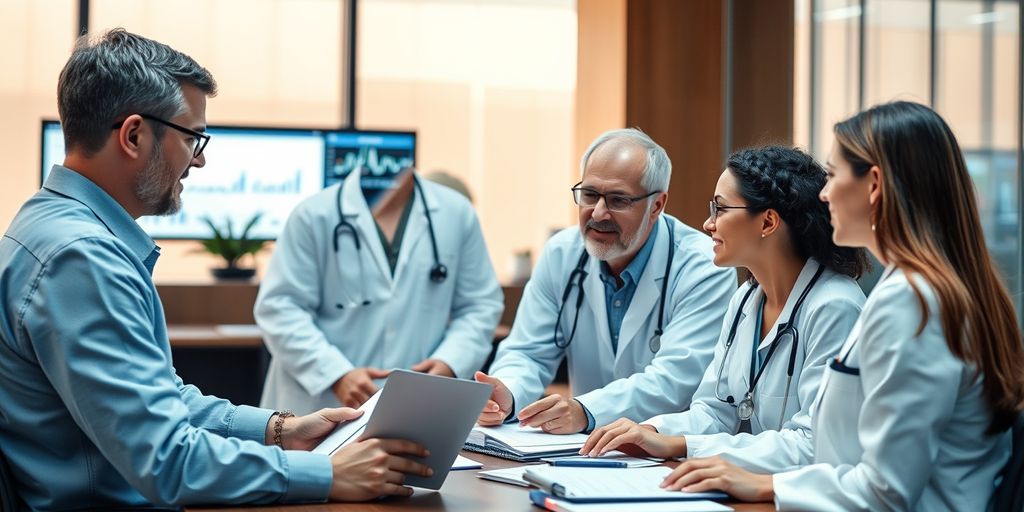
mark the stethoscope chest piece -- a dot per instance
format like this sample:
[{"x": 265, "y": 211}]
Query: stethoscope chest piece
[
  {"x": 438, "y": 273},
  {"x": 655, "y": 343},
  {"x": 745, "y": 409}
]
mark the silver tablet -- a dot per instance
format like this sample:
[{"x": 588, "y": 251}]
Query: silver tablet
[{"x": 436, "y": 412}]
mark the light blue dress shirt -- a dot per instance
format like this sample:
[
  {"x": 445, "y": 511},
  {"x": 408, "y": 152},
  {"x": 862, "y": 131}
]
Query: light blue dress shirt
[
  {"x": 617, "y": 298},
  {"x": 91, "y": 410}
]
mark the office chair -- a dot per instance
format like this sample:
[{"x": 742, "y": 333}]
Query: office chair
[
  {"x": 1009, "y": 495},
  {"x": 9, "y": 501}
]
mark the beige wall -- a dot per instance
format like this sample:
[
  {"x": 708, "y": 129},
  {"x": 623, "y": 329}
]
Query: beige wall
[
  {"x": 279, "y": 66},
  {"x": 490, "y": 89}
]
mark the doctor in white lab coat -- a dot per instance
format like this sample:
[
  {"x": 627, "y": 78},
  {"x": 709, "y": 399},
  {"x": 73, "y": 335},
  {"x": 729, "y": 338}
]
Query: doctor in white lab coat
[
  {"x": 763, "y": 199},
  {"x": 626, "y": 371},
  {"x": 329, "y": 311},
  {"x": 911, "y": 413}
]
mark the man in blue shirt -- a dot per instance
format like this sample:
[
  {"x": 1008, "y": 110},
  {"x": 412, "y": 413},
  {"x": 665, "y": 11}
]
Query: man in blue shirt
[
  {"x": 631, "y": 298},
  {"x": 92, "y": 413}
]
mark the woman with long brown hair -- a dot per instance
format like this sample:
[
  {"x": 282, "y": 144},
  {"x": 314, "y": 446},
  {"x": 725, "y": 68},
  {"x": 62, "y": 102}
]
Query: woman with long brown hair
[{"x": 914, "y": 410}]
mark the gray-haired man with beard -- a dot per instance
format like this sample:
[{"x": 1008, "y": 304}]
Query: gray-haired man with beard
[
  {"x": 92, "y": 414},
  {"x": 631, "y": 298}
]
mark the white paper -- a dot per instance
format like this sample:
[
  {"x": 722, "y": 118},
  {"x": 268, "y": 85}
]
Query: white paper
[
  {"x": 465, "y": 463},
  {"x": 634, "y": 483},
  {"x": 648, "y": 506},
  {"x": 512, "y": 475},
  {"x": 348, "y": 432},
  {"x": 518, "y": 437}
]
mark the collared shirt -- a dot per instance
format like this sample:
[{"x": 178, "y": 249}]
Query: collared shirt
[
  {"x": 91, "y": 411},
  {"x": 617, "y": 298}
]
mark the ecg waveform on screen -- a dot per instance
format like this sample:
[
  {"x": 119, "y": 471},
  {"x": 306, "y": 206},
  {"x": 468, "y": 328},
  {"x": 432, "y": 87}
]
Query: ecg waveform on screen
[{"x": 371, "y": 160}]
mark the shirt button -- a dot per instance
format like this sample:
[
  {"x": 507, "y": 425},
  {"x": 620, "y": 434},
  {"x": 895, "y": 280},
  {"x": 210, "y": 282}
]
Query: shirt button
[{"x": 618, "y": 303}]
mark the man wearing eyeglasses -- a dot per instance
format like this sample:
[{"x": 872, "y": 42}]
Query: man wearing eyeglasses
[
  {"x": 92, "y": 414},
  {"x": 631, "y": 298}
]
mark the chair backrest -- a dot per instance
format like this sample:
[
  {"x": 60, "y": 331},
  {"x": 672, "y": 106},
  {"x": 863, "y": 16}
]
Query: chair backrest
[
  {"x": 1010, "y": 494},
  {"x": 9, "y": 501}
]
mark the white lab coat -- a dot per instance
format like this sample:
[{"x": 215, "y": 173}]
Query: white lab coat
[
  {"x": 908, "y": 433},
  {"x": 313, "y": 342},
  {"x": 822, "y": 323},
  {"x": 634, "y": 382}
]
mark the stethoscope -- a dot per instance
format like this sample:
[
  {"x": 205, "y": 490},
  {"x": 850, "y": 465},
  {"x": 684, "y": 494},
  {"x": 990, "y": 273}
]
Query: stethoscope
[
  {"x": 576, "y": 278},
  {"x": 787, "y": 331},
  {"x": 438, "y": 273}
]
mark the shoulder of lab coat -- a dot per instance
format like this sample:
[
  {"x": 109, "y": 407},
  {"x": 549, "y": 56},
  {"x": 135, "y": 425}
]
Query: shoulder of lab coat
[
  {"x": 918, "y": 398},
  {"x": 528, "y": 358},
  {"x": 824, "y": 322},
  {"x": 707, "y": 414},
  {"x": 289, "y": 295},
  {"x": 698, "y": 295}
]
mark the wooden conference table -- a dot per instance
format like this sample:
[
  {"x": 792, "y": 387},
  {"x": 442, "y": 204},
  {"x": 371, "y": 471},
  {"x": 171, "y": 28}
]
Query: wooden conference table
[{"x": 462, "y": 492}]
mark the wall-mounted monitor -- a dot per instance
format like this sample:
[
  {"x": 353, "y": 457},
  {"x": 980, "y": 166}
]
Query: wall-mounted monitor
[
  {"x": 379, "y": 155},
  {"x": 247, "y": 170}
]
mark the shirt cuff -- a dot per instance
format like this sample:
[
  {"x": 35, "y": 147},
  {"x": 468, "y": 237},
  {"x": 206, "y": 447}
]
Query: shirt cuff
[
  {"x": 309, "y": 476},
  {"x": 511, "y": 418},
  {"x": 590, "y": 418},
  {"x": 250, "y": 423}
]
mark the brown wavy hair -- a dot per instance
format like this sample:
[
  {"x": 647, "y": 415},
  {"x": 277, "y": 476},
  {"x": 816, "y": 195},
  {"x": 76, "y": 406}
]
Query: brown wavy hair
[{"x": 927, "y": 222}]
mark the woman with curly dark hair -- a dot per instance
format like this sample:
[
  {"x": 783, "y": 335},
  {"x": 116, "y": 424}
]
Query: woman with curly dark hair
[{"x": 782, "y": 327}]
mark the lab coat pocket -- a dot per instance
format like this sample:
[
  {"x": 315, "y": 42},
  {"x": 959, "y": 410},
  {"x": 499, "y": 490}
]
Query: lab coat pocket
[{"x": 839, "y": 406}]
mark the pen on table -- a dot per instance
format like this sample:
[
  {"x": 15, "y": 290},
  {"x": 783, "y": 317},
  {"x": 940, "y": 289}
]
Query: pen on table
[{"x": 583, "y": 463}]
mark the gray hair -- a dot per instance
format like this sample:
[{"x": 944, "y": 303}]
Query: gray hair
[
  {"x": 658, "y": 168},
  {"x": 117, "y": 74}
]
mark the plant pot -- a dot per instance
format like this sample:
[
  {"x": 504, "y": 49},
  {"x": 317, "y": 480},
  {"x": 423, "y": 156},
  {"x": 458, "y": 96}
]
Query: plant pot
[{"x": 233, "y": 273}]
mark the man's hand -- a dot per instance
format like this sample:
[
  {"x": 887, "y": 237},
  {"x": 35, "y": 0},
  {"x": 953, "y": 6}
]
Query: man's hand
[
  {"x": 305, "y": 432},
  {"x": 555, "y": 414},
  {"x": 433, "y": 367},
  {"x": 624, "y": 434},
  {"x": 371, "y": 468},
  {"x": 356, "y": 386},
  {"x": 499, "y": 406}
]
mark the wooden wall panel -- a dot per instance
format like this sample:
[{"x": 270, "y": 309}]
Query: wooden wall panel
[
  {"x": 674, "y": 93},
  {"x": 762, "y": 91}
]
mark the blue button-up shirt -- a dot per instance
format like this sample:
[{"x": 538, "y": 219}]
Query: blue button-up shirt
[
  {"x": 91, "y": 410},
  {"x": 617, "y": 298}
]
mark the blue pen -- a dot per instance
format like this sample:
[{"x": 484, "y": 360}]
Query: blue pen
[{"x": 590, "y": 463}]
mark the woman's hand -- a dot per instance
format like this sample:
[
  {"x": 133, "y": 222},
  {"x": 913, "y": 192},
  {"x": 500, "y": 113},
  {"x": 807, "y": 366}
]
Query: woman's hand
[
  {"x": 717, "y": 474},
  {"x": 623, "y": 434}
]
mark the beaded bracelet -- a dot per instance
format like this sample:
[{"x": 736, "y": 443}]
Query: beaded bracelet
[{"x": 279, "y": 426}]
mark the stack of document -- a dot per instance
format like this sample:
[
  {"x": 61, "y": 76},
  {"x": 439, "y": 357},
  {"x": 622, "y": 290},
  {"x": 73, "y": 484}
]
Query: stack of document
[{"x": 522, "y": 444}]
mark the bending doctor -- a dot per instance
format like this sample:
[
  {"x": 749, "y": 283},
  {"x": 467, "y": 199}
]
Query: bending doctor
[{"x": 351, "y": 293}]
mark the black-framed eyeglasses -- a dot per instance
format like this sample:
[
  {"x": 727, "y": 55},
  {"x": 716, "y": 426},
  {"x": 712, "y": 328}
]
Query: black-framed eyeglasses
[
  {"x": 714, "y": 208},
  {"x": 201, "y": 139},
  {"x": 588, "y": 198}
]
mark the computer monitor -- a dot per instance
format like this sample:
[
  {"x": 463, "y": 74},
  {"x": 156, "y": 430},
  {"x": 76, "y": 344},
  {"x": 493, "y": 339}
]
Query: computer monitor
[
  {"x": 248, "y": 170},
  {"x": 379, "y": 155}
]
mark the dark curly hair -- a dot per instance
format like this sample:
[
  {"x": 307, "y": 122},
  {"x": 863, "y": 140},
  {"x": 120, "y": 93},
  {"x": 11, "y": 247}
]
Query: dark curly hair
[{"x": 788, "y": 181}]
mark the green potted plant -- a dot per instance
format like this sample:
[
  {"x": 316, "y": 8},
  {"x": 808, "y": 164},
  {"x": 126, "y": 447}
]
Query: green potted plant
[{"x": 231, "y": 249}]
